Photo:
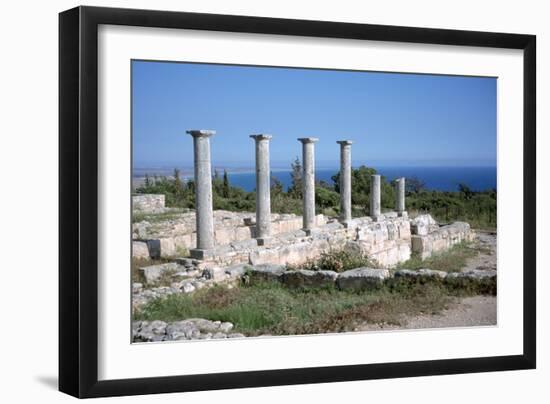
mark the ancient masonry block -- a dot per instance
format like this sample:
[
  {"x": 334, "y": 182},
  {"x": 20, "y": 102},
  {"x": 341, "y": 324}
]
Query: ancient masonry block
[
  {"x": 148, "y": 202},
  {"x": 441, "y": 239}
]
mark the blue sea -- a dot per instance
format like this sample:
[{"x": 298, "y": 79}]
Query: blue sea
[{"x": 435, "y": 178}]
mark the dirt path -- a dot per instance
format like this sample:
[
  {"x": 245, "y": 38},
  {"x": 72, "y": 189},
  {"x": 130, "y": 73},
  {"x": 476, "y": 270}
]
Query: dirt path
[
  {"x": 466, "y": 312},
  {"x": 487, "y": 258}
]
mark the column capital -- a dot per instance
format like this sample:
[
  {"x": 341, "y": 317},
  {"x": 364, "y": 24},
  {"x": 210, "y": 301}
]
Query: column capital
[
  {"x": 261, "y": 136},
  {"x": 305, "y": 140},
  {"x": 201, "y": 132},
  {"x": 344, "y": 142}
]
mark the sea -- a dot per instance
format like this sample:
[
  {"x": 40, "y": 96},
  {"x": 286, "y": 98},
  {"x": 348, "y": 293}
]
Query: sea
[{"x": 435, "y": 178}]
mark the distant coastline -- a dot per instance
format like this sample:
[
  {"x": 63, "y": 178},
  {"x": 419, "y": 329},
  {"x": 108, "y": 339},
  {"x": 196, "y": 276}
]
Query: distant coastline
[{"x": 435, "y": 178}]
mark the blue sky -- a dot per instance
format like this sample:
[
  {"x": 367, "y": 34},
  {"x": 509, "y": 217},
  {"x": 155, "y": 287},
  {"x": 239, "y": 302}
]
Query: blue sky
[{"x": 393, "y": 119}]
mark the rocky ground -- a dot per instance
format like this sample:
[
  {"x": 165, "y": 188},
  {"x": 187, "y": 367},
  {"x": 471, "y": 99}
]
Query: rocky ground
[
  {"x": 185, "y": 278},
  {"x": 467, "y": 312}
]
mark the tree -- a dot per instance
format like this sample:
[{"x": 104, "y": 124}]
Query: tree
[
  {"x": 225, "y": 189},
  {"x": 465, "y": 191},
  {"x": 326, "y": 198},
  {"x": 295, "y": 188},
  {"x": 276, "y": 186},
  {"x": 414, "y": 185}
]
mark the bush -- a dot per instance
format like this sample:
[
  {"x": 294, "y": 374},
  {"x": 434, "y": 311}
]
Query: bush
[{"x": 338, "y": 261}]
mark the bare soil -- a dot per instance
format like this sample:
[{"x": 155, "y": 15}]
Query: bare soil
[{"x": 466, "y": 312}]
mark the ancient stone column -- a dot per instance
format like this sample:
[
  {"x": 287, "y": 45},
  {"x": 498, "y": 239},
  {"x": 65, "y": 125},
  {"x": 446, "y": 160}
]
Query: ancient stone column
[
  {"x": 345, "y": 180},
  {"x": 400, "y": 196},
  {"x": 375, "y": 197},
  {"x": 263, "y": 195},
  {"x": 308, "y": 181},
  {"x": 203, "y": 191}
]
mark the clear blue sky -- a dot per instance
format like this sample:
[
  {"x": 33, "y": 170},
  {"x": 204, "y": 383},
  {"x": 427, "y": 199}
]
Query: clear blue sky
[{"x": 393, "y": 119}]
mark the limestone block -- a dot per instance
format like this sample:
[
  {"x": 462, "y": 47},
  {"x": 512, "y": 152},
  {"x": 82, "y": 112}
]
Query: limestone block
[
  {"x": 306, "y": 278},
  {"x": 297, "y": 253},
  {"x": 152, "y": 273},
  {"x": 185, "y": 242},
  {"x": 244, "y": 245},
  {"x": 320, "y": 220},
  {"x": 167, "y": 247},
  {"x": 404, "y": 229},
  {"x": 441, "y": 239},
  {"x": 242, "y": 233},
  {"x": 420, "y": 274},
  {"x": 139, "y": 249},
  {"x": 275, "y": 227},
  {"x": 224, "y": 235},
  {"x": 264, "y": 256},
  {"x": 362, "y": 278},
  {"x": 266, "y": 272},
  {"x": 423, "y": 225}
]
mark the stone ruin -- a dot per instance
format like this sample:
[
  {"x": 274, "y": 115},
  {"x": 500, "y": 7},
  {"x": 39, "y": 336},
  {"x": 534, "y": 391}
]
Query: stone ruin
[{"x": 218, "y": 239}]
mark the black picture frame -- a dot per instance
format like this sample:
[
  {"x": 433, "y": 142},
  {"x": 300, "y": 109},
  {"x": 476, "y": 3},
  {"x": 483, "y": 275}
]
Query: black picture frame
[{"x": 78, "y": 201}]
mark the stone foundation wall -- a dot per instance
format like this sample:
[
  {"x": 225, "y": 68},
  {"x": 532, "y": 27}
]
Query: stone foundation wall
[
  {"x": 173, "y": 237},
  {"x": 148, "y": 202},
  {"x": 387, "y": 241},
  {"x": 441, "y": 239}
]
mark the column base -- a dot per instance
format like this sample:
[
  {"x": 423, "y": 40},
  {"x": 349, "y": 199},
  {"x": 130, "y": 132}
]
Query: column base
[
  {"x": 378, "y": 218},
  {"x": 403, "y": 214},
  {"x": 201, "y": 254},
  {"x": 263, "y": 241}
]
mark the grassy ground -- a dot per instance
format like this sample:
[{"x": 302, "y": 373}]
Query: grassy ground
[
  {"x": 452, "y": 260},
  {"x": 270, "y": 308}
]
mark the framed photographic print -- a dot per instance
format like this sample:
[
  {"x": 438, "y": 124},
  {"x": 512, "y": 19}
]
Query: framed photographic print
[{"x": 250, "y": 201}]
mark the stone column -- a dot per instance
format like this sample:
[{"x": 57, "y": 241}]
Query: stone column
[
  {"x": 263, "y": 188},
  {"x": 375, "y": 197},
  {"x": 345, "y": 180},
  {"x": 308, "y": 181},
  {"x": 203, "y": 192},
  {"x": 400, "y": 196}
]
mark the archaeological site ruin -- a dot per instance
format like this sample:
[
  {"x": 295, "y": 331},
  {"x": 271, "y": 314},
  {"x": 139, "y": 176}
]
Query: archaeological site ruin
[
  {"x": 220, "y": 238},
  {"x": 207, "y": 247}
]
